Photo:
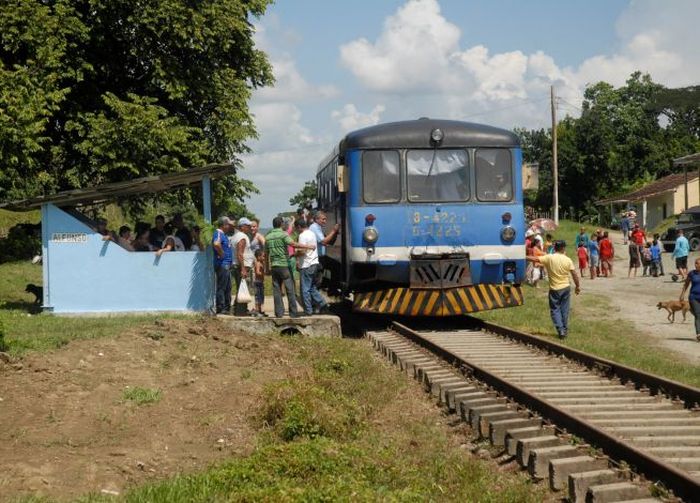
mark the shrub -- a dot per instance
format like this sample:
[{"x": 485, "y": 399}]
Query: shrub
[
  {"x": 142, "y": 396},
  {"x": 22, "y": 242}
]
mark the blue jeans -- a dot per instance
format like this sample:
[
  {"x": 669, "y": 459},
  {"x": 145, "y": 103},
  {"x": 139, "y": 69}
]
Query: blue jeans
[
  {"x": 223, "y": 289},
  {"x": 309, "y": 292},
  {"x": 281, "y": 276},
  {"x": 559, "y": 303},
  {"x": 695, "y": 309}
]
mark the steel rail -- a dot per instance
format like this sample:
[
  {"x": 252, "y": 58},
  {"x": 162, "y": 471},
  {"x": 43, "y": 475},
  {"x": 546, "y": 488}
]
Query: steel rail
[
  {"x": 657, "y": 384},
  {"x": 680, "y": 482}
]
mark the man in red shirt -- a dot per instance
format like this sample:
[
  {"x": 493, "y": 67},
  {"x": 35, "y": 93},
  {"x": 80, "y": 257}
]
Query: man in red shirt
[
  {"x": 607, "y": 252},
  {"x": 638, "y": 235}
]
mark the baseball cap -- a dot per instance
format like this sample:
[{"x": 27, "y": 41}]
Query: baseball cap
[
  {"x": 529, "y": 233},
  {"x": 244, "y": 221}
]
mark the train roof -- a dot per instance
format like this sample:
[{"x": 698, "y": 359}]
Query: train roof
[{"x": 416, "y": 134}]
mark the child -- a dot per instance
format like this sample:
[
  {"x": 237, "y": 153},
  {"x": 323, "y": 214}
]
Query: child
[
  {"x": 657, "y": 241},
  {"x": 259, "y": 281},
  {"x": 582, "y": 253},
  {"x": 607, "y": 252},
  {"x": 646, "y": 259},
  {"x": 594, "y": 255},
  {"x": 538, "y": 270},
  {"x": 549, "y": 244},
  {"x": 655, "y": 258}
]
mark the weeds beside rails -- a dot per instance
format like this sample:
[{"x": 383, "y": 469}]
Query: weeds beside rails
[{"x": 345, "y": 426}]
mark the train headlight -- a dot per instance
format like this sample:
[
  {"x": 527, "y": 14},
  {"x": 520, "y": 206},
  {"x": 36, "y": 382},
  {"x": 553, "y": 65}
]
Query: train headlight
[
  {"x": 370, "y": 235},
  {"x": 508, "y": 234},
  {"x": 436, "y": 135}
]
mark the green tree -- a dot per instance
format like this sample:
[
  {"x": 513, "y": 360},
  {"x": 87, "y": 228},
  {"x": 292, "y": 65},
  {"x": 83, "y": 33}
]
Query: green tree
[
  {"x": 305, "y": 196},
  {"x": 95, "y": 91},
  {"x": 625, "y": 136}
]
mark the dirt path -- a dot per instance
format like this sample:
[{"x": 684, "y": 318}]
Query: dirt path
[
  {"x": 68, "y": 429},
  {"x": 635, "y": 300}
]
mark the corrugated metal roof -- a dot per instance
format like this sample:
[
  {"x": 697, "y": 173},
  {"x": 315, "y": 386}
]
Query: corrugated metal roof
[
  {"x": 665, "y": 184},
  {"x": 112, "y": 191},
  {"x": 687, "y": 160}
]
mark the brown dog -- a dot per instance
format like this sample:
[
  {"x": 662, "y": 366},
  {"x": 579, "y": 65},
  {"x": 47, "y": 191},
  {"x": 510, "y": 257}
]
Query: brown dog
[{"x": 672, "y": 306}]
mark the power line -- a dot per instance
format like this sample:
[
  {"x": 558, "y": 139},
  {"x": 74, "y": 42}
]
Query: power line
[
  {"x": 570, "y": 104},
  {"x": 486, "y": 112}
]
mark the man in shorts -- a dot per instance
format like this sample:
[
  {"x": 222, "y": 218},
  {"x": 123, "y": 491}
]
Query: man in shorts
[
  {"x": 680, "y": 253},
  {"x": 559, "y": 267}
]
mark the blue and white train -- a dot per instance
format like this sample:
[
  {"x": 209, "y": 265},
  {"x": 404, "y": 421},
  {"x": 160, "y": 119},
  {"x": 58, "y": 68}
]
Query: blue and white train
[{"x": 431, "y": 217}]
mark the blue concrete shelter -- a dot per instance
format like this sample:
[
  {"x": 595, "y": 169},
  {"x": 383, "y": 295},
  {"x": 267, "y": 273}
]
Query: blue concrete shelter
[{"x": 84, "y": 274}]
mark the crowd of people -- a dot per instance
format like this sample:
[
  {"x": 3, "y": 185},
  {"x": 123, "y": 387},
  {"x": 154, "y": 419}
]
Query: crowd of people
[
  {"x": 294, "y": 247},
  {"x": 595, "y": 253},
  {"x": 160, "y": 237}
]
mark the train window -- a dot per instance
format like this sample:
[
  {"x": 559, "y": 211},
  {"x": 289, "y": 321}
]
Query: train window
[
  {"x": 437, "y": 175},
  {"x": 381, "y": 182},
  {"x": 494, "y": 174}
]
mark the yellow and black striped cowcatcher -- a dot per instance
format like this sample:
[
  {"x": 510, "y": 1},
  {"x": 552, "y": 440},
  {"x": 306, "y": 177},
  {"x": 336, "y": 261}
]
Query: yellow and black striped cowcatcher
[{"x": 447, "y": 302}]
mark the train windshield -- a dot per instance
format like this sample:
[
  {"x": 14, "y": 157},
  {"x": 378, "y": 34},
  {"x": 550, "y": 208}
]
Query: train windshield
[
  {"x": 494, "y": 174},
  {"x": 437, "y": 175},
  {"x": 381, "y": 179}
]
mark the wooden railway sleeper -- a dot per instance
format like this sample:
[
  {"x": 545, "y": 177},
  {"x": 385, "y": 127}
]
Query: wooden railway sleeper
[{"x": 534, "y": 444}]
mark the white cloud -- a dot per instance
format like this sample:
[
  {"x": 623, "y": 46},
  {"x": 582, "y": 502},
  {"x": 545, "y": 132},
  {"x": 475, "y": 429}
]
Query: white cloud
[
  {"x": 279, "y": 175},
  {"x": 418, "y": 55},
  {"x": 411, "y": 54},
  {"x": 350, "y": 118},
  {"x": 291, "y": 86},
  {"x": 279, "y": 126},
  {"x": 287, "y": 151}
]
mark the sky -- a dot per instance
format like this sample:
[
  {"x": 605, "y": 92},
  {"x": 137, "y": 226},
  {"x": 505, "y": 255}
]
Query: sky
[{"x": 341, "y": 66}]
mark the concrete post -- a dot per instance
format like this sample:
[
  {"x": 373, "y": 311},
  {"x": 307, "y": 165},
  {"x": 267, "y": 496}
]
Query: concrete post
[
  {"x": 206, "y": 198},
  {"x": 46, "y": 301}
]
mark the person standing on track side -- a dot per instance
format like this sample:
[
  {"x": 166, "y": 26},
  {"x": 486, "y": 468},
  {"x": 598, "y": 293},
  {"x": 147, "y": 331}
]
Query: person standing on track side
[
  {"x": 680, "y": 253},
  {"x": 693, "y": 281},
  {"x": 223, "y": 258},
  {"x": 559, "y": 267},
  {"x": 276, "y": 243},
  {"x": 322, "y": 240}
]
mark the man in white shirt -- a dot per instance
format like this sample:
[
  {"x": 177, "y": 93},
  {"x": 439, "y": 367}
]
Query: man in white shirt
[
  {"x": 243, "y": 259},
  {"x": 309, "y": 264}
]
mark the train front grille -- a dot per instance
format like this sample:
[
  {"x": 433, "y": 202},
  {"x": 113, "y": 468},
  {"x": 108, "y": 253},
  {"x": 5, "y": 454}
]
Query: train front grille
[{"x": 436, "y": 272}]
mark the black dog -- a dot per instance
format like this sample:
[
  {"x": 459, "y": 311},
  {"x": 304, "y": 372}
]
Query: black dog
[{"x": 38, "y": 292}]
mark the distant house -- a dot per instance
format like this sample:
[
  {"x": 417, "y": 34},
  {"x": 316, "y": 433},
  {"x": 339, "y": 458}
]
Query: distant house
[{"x": 658, "y": 200}]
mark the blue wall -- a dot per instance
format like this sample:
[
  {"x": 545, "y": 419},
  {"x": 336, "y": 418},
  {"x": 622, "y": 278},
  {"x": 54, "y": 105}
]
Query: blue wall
[{"x": 83, "y": 274}]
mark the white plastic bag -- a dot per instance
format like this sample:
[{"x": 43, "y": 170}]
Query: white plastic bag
[
  {"x": 536, "y": 274},
  {"x": 243, "y": 296}
]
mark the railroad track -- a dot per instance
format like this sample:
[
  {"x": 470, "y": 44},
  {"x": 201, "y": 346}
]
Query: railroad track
[{"x": 533, "y": 398}]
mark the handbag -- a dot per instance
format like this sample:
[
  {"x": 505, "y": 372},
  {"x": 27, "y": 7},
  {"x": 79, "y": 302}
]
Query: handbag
[{"x": 243, "y": 295}]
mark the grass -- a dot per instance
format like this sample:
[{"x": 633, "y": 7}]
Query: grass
[
  {"x": 142, "y": 396},
  {"x": 594, "y": 327},
  {"x": 344, "y": 428}
]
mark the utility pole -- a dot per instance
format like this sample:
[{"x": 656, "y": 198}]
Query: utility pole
[{"x": 555, "y": 168}]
